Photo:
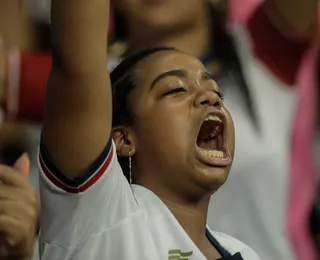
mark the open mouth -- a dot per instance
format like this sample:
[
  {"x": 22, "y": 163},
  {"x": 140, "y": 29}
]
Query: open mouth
[{"x": 211, "y": 142}]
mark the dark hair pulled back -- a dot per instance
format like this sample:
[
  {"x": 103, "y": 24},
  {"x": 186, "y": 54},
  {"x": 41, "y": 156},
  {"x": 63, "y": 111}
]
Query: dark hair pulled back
[{"x": 123, "y": 81}]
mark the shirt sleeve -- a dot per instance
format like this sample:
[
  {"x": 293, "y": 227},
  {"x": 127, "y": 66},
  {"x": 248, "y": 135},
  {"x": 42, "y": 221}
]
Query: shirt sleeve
[{"x": 73, "y": 211}]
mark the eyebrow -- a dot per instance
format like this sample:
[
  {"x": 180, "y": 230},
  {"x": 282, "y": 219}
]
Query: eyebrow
[
  {"x": 205, "y": 76},
  {"x": 176, "y": 73}
]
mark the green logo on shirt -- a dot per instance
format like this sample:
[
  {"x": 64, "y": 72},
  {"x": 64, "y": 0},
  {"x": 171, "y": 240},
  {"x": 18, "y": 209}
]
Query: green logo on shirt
[{"x": 176, "y": 254}]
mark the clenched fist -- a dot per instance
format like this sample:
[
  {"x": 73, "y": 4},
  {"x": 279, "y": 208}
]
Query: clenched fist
[{"x": 19, "y": 209}]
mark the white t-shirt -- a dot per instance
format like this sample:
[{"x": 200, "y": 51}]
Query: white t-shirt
[{"x": 103, "y": 217}]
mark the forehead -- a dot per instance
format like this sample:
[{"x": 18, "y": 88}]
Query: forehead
[{"x": 165, "y": 61}]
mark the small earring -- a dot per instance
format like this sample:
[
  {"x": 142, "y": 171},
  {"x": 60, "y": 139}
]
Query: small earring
[{"x": 130, "y": 168}]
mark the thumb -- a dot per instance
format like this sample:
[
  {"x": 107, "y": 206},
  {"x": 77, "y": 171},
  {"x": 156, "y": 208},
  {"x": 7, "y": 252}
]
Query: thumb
[{"x": 22, "y": 165}]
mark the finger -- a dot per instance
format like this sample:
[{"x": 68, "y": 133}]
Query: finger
[
  {"x": 23, "y": 212},
  {"x": 22, "y": 165},
  {"x": 13, "y": 193},
  {"x": 11, "y": 177},
  {"x": 11, "y": 230}
]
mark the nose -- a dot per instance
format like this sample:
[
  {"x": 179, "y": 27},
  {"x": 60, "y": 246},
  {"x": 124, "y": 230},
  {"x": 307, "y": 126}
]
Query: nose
[{"x": 208, "y": 98}]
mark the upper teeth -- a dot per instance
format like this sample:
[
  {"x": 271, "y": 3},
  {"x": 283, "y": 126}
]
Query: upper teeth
[{"x": 213, "y": 118}]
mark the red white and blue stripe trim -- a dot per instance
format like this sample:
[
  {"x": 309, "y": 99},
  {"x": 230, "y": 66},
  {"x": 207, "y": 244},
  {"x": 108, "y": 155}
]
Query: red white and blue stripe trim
[{"x": 93, "y": 174}]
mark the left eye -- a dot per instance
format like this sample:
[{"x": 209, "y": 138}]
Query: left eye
[{"x": 173, "y": 91}]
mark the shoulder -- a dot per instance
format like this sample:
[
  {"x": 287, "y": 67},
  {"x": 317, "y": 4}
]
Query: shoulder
[{"x": 233, "y": 245}]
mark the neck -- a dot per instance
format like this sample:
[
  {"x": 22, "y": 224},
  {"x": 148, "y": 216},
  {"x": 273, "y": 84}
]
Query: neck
[
  {"x": 187, "y": 202},
  {"x": 195, "y": 39},
  {"x": 192, "y": 216}
]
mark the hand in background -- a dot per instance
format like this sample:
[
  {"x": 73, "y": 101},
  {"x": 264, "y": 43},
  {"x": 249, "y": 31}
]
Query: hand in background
[{"x": 19, "y": 209}]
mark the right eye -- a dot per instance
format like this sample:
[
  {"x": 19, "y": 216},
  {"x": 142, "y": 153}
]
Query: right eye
[{"x": 174, "y": 91}]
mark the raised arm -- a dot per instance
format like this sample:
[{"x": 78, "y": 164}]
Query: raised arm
[{"x": 77, "y": 120}]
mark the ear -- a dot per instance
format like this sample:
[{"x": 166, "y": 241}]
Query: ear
[{"x": 124, "y": 140}]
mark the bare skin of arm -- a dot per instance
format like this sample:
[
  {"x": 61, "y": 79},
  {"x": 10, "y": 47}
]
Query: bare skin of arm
[{"x": 78, "y": 109}]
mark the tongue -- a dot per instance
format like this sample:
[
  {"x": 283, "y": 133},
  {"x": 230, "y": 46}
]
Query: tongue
[
  {"x": 204, "y": 140},
  {"x": 210, "y": 144}
]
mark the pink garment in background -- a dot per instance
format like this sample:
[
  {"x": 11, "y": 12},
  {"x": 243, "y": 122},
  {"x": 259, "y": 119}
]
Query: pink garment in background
[
  {"x": 302, "y": 181},
  {"x": 240, "y": 10}
]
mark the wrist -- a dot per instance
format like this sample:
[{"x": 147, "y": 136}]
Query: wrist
[
  {"x": 25, "y": 251},
  {"x": 21, "y": 258},
  {"x": 16, "y": 257}
]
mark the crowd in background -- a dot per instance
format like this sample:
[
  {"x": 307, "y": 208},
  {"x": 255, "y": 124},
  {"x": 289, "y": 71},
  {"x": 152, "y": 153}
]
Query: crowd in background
[{"x": 261, "y": 71}]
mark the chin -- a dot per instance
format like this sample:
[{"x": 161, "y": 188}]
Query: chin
[{"x": 212, "y": 178}]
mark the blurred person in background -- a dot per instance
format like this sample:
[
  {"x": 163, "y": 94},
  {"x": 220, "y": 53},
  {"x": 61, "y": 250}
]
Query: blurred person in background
[
  {"x": 264, "y": 61},
  {"x": 22, "y": 28},
  {"x": 17, "y": 30}
]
